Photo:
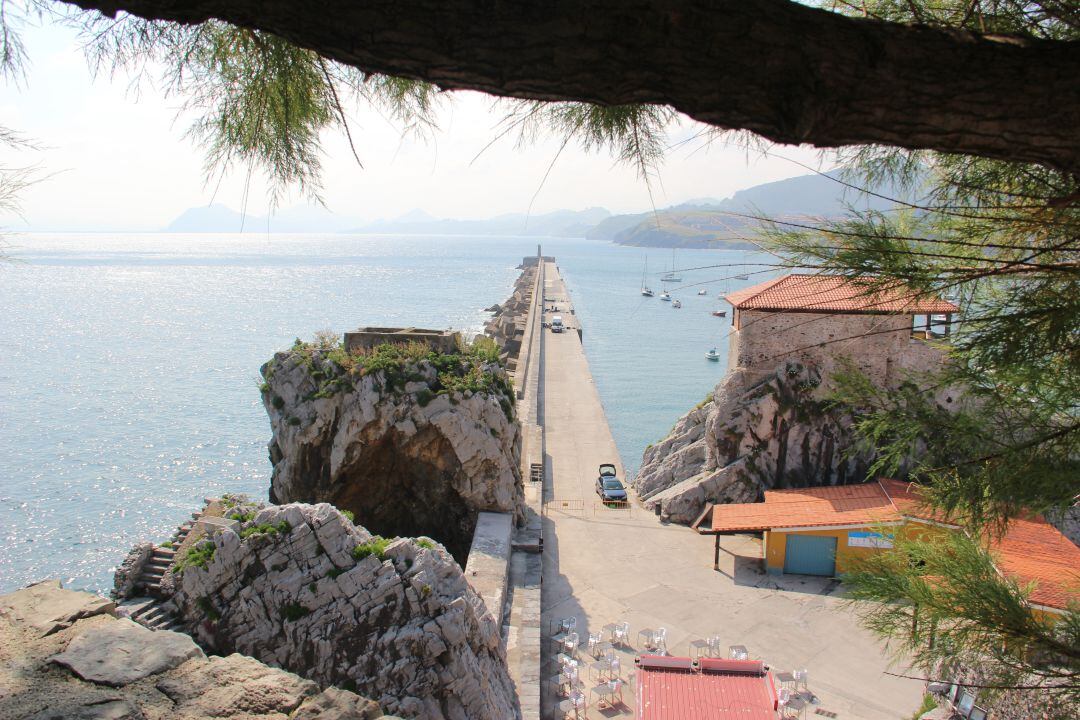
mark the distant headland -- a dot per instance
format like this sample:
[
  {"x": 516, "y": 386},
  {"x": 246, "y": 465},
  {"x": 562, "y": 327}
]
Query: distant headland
[{"x": 699, "y": 223}]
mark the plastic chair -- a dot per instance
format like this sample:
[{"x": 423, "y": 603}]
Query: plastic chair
[
  {"x": 570, "y": 644},
  {"x": 594, "y": 639},
  {"x": 660, "y": 641},
  {"x": 715, "y": 646},
  {"x": 801, "y": 677},
  {"x": 615, "y": 669},
  {"x": 616, "y": 690},
  {"x": 621, "y": 636}
]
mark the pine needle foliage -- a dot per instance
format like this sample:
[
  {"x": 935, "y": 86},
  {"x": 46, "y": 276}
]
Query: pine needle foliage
[
  {"x": 259, "y": 102},
  {"x": 931, "y": 596},
  {"x": 996, "y": 432}
]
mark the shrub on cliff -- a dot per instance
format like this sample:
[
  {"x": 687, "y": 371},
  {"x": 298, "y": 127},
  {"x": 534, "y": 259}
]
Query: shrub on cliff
[{"x": 475, "y": 368}]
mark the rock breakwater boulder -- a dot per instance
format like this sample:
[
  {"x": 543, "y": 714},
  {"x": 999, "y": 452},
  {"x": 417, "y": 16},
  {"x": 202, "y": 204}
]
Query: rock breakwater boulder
[
  {"x": 775, "y": 432},
  {"x": 303, "y": 588},
  {"x": 412, "y": 442},
  {"x": 507, "y": 324}
]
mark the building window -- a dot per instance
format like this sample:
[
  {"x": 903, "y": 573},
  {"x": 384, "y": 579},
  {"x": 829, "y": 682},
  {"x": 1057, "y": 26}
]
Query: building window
[{"x": 931, "y": 327}]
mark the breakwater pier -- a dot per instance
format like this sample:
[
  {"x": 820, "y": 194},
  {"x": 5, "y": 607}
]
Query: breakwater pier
[{"x": 605, "y": 565}]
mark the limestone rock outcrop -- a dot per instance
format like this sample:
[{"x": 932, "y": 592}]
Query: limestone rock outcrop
[
  {"x": 303, "y": 588},
  {"x": 122, "y": 652},
  {"x": 752, "y": 435},
  {"x": 171, "y": 679},
  {"x": 411, "y": 445}
]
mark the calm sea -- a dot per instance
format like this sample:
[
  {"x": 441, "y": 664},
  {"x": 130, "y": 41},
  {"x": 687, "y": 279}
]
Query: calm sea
[{"x": 129, "y": 363}]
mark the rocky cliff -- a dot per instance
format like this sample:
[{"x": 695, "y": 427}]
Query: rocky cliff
[
  {"x": 748, "y": 437},
  {"x": 65, "y": 656},
  {"x": 302, "y": 588},
  {"x": 411, "y": 441}
]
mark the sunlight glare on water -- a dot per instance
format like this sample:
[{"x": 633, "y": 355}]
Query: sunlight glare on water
[{"x": 130, "y": 363}]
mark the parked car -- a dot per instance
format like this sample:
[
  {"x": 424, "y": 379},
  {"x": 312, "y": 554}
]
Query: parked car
[{"x": 608, "y": 485}]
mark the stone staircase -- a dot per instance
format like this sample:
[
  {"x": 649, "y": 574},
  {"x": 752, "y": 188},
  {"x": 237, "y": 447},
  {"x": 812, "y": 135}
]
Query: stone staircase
[
  {"x": 150, "y": 612},
  {"x": 155, "y": 568},
  {"x": 150, "y": 609}
]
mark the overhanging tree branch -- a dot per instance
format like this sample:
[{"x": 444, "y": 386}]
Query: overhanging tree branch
[{"x": 790, "y": 73}]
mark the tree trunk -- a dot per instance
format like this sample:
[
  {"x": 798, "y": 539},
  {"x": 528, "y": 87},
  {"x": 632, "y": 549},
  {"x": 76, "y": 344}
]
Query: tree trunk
[{"x": 790, "y": 73}]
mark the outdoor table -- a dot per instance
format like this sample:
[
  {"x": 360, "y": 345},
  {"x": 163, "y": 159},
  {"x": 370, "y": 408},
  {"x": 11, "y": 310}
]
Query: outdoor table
[
  {"x": 610, "y": 629},
  {"x": 599, "y": 668},
  {"x": 605, "y": 692},
  {"x": 699, "y": 648},
  {"x": 601, "y": 648}
]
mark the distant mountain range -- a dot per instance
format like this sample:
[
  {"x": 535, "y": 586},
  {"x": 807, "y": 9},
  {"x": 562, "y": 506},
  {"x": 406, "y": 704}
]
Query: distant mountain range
[
  {"x": 708, "y": 223},
  {"x": 700, "y": 223}
]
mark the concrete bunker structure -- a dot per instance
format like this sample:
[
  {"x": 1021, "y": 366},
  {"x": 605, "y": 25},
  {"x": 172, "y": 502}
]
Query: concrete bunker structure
[{"x": 369, "y": 338}]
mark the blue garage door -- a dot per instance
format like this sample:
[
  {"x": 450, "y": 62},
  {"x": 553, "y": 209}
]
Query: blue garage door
[{"x": 810, "y": 555}]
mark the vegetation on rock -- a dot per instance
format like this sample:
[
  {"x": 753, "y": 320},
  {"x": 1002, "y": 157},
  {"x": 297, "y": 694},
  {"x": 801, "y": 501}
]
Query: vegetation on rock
[{"x": 475, "y": 368}]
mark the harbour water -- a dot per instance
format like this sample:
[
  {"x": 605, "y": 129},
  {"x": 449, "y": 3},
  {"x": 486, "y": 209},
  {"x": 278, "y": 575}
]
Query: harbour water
[{"x": 129, "y": 363}]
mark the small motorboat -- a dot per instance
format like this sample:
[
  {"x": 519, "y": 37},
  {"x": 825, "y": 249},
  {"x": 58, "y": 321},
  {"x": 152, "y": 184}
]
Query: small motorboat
[
  {"x": 665, "y": 296},
  {"x": 676, "y": 303},
  {"x": 712, "y": 355},
  {"x": 702, "y": 292},
  {"x": 719, "y": 313},
  {"x": 647, "y": 292},
  {"x": 741, "y": 277}
]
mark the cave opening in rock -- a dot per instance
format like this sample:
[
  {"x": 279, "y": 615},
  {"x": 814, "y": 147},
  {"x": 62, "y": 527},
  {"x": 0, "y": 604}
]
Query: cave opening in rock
[{"x": 404, "y": 487}]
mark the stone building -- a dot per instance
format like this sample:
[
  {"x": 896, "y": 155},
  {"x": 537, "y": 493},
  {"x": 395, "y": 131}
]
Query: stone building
[{"x": 817, "y": 319}]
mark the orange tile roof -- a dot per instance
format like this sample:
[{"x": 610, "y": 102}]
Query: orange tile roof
[
  {"x": 833, "y": 293},
  {"x": 1031, "y": 550},
  {"x": 808, "y": 507}
]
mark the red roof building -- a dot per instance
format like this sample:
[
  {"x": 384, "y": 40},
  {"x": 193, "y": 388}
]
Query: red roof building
[
  {"x": 677, "y": 688},
  {"x": 834, "y": 294},
  {"x": 850, "y": 519}
]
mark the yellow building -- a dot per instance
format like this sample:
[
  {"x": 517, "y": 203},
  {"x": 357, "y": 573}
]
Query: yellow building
[{"x": 818, "y": 531}]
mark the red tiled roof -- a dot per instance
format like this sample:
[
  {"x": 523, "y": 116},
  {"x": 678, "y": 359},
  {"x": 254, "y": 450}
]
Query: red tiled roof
[
  {"x": 1031, "y": 550},
  {"x": 833, "y": 293},
  {"x": 673, "y": 693},
  {"x": 808, "y": 507},
  {"x": 905, "y": 497}
]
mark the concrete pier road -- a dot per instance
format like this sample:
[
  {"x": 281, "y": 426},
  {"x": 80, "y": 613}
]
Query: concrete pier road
[{"x": 604, "y": 565}]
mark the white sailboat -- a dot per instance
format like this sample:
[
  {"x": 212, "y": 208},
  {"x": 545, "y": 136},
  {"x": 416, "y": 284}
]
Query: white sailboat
[
  {"x": 676, "y": 303},
  {"x": 672, "y": 276},
  {"x": 665, "y": 296},
  {"x": 645, "y": 289}
]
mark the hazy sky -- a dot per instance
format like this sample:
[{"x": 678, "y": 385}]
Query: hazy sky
[{"x": 119, "y": 160}]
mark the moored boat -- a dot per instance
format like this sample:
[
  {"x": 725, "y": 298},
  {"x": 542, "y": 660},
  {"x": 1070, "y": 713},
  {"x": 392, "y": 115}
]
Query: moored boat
[{"x": 712, "y": 355}]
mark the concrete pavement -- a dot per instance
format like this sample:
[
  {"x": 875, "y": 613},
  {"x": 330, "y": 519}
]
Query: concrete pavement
[{"x": 603, "y": 565}]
